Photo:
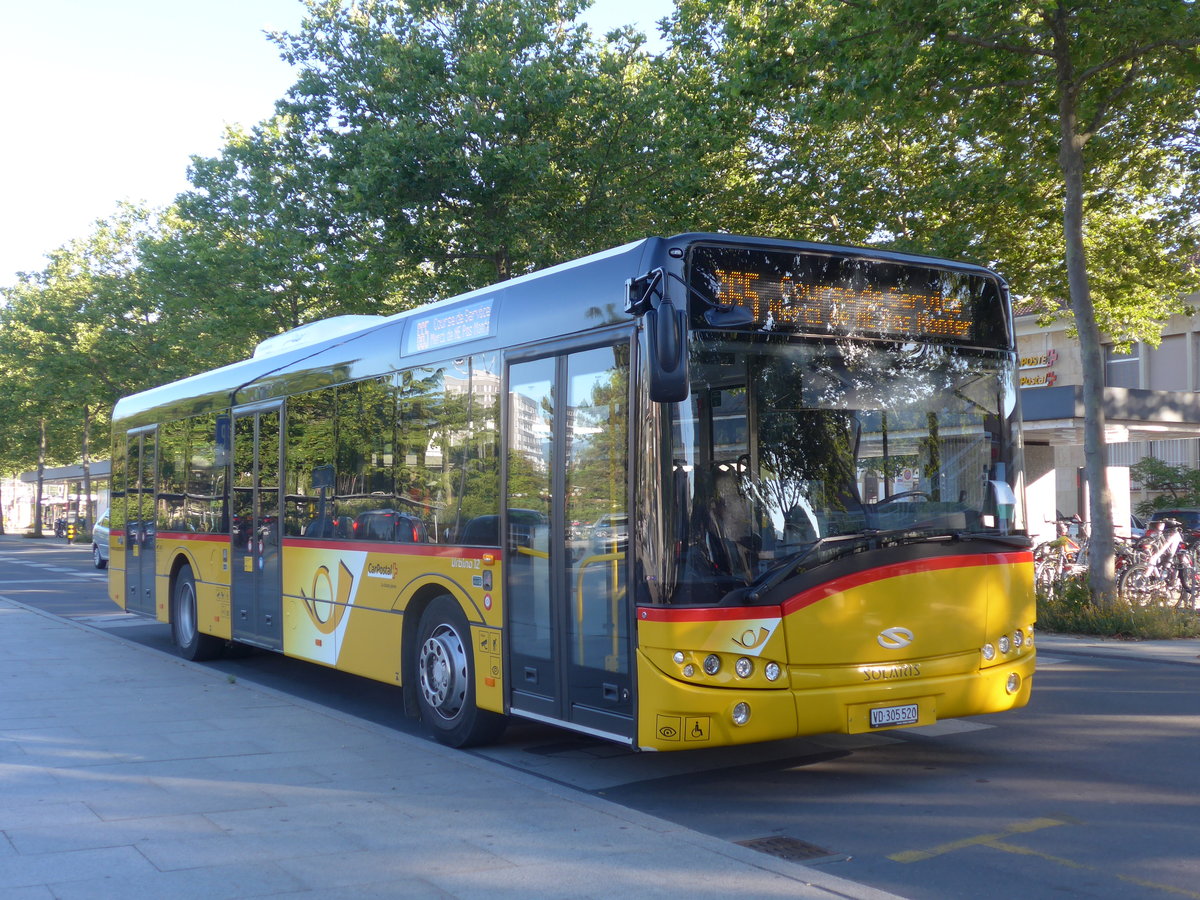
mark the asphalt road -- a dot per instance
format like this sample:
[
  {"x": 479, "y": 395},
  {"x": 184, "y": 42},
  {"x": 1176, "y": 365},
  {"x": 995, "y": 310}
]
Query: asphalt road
[{"x": 1093, "y": 790}]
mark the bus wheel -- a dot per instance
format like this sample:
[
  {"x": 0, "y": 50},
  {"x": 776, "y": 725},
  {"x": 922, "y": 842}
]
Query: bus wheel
[
  {"x": 190, "y": 643},
  {"x": 446, "y": 678}
]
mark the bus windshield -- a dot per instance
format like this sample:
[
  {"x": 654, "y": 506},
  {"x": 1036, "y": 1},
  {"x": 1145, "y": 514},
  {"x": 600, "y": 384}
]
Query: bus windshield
[{"x": 793, "y": 452}]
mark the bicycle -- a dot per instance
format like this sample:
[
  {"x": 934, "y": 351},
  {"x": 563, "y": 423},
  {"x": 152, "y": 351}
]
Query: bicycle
[
  {"x": 1061, "y": 560},
  {"x": 1164, "y": 572}
]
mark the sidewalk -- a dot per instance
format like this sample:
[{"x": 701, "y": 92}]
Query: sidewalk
[
  {"x": 127, "y": 772},
  {"x": 1182, "y": 652}
]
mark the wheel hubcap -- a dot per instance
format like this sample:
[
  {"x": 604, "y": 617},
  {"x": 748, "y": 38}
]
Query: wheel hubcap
[
  {"x": 443, "y": 668},
  {"x": 187, "y": 614}
]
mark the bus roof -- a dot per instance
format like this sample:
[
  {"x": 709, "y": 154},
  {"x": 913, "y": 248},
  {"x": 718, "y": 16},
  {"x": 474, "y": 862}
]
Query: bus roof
[
  {"x": 568, "y": 298},
  {"x": 559, "y": 299}
]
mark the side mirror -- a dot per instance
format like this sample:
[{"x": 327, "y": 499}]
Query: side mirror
[
  {"x": 666, "y": 333},
  {"x": 1001, "y": 502}
]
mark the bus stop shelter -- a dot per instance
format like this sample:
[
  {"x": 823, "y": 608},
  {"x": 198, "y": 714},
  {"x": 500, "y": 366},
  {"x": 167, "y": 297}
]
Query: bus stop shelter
[
  {"x": 1053, "y": 426},
  {"x": 63, "y": 493}
]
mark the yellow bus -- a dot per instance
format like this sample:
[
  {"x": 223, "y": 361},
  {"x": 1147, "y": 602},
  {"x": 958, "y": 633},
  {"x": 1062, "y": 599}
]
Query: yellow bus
[{"x": 689, "y": 492}]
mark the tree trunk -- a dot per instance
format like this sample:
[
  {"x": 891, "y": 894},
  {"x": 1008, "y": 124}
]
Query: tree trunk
[
  {"x": 503, "y": 264},
  {"x": 1102, "y": 565},
  {"x": 88, "y": 512},
  {"x": 41, "y": 468}
]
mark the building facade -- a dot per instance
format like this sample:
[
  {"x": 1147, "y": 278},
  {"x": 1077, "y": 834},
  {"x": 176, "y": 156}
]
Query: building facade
[{"x": 1152, "y": 408}]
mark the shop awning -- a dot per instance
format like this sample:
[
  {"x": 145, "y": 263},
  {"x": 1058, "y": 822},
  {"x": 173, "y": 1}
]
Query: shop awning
[
  {"x": 101, "y": 468},
  {"x": 1054, "y": 415}
]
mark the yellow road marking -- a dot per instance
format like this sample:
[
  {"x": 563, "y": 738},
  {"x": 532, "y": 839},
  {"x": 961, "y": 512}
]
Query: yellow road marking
[
  {"x": 996, "y": 842},
  {"x": 1071, "y": 864},
  {"x": 1170, "y": 889},
  {"x": 1026, "y": 851},
  {"x": 1031, "y": 825}
]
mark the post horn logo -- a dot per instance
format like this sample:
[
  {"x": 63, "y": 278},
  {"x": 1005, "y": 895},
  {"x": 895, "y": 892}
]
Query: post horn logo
[
  {"x": 326, "y": 612},
  {"x": 750, "y": 641},
  {"x": 895, "y": 638}
]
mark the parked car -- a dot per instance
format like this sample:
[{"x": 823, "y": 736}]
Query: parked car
[
  {"x": 485, "y": 530},
  {"x": 1188, "y": 515},
  {"x": 389, "y": 525},
  {"x": 1137, "y": 528},
  {"x": 100, "y": 542},
  {"x": 610, "y": 534}
]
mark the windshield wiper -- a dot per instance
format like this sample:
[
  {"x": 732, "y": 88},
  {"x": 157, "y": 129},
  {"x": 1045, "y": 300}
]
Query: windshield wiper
[
  {"x": 784, "y": 570},
  {"x": 837, "y": 546}
]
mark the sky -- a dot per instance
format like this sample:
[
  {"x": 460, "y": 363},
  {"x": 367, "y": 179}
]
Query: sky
[{"x": 107, "y": 101}]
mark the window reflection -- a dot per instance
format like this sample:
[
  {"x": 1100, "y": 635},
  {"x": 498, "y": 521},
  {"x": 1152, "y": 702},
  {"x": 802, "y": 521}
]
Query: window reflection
[
  {"x": 409, "y": 458},
  {"x": 794, "y": 443},
  {"x": 596, "y": 498}
]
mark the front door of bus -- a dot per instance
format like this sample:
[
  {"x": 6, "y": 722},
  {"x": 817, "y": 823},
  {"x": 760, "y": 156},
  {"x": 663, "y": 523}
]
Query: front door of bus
[
  {"x": 140, "y": 468},
  {"x": 568, "y": 539},
  {"x": 255, "y": 582}
]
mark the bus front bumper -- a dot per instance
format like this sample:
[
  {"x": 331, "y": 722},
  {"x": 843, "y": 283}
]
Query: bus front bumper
[{"x": 676, "y": 715}]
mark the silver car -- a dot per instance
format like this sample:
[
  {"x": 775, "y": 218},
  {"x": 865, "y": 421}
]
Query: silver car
[{"x": 100, "y": 542}]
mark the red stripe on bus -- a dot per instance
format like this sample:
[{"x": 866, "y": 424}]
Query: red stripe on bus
[
  {"x": 454, "y": 552},
  {"x": 192, "y": 536},
  {"x": 829, "y": 588},
  {"x": 449, "y": 551},
  {"x": 708, "y": 614},
  {"x": 897, "y": 570}
]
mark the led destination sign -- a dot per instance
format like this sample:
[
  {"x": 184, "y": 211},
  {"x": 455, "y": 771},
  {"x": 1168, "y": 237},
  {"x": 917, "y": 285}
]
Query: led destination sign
[
  {"x": 444, "y": 328},
  {"x": 824, "y": 294}
]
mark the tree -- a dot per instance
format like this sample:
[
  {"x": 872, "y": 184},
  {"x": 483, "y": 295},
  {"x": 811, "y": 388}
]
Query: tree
[
  {"x": 37, "y": 331},
  {"x": 996, "y": 131},
  {"x": 261, "y": 245},
  {"x": 429, "y": 148},
  {"x": 81, "y": 333},
  {"x": 1175, "y": 485},
  {"x": 470, "y": 141}
]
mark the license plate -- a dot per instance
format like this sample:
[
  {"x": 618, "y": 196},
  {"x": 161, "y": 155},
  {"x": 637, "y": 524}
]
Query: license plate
[{"x": 885, "y": 716}]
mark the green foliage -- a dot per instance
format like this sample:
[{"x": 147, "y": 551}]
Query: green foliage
[
  {"x": 468, "y": 141},
  {"x": 1174, "y": 485},
  {"x": 427, "y": 148},
  {"x": 935, "y": 127},
  {"x": 1072, "y": 611},
  {"x": 434, "y": 146},
  {"x": 1052, "y": 140}
]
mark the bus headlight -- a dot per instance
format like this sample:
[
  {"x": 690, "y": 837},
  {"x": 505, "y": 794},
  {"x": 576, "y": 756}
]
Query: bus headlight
[
  {"x": 712, "y": 664},
  {"x": 744, "y": 667},
  {"x": 741, "y": 713},
  {"x": 1005, "y": 643},
  {"x": 678, "y": 657},
  {"x": 989, "y": 652},
  {"x": 1013, "y": 684},
  {"x": 689, "y": 670},
  {"x": 1018, "y": 638},
  {"x": 773, "y": 671}
]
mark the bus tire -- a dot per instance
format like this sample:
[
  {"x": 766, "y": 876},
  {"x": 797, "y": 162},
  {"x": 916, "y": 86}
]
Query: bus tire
[
  {"x": 185, "y": 630},
  {"x": 445, "y": 678}
]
